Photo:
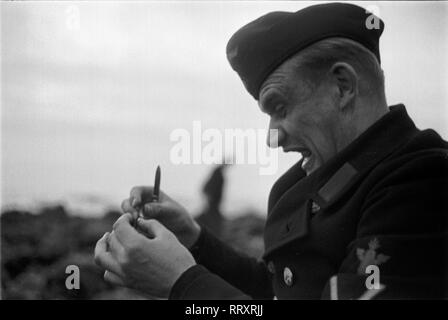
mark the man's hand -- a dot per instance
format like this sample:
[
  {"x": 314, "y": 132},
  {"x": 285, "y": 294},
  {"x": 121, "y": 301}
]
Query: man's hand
[
  {"x": 170, "y": 213},
  {"x": 148, "y": 258}
]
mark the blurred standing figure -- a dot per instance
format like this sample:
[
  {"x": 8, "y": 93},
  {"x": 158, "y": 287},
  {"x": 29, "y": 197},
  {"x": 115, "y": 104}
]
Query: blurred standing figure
[{"x": 211, "y": 216}]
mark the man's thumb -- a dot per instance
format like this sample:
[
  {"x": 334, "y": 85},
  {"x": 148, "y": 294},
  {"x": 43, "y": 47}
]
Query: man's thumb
[
  {"x": 152, "y": 228},
  {"x": 152, "y": 210}
]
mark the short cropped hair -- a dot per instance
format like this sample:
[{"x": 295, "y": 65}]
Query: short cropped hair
[{"x": 316, "y": 60}]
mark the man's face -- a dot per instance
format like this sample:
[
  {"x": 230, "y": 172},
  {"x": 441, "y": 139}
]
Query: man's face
[{"x": 305, "y": 116}]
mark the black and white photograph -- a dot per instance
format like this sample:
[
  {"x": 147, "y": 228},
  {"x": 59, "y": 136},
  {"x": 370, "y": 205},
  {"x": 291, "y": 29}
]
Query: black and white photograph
[{"x": 224, "y": 150}]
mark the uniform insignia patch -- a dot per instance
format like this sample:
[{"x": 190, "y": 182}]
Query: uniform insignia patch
[{"x": 370, "y": 256}]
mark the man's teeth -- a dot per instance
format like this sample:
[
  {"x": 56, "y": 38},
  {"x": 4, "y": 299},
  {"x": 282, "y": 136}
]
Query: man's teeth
[{"x": 306, "y": 159}]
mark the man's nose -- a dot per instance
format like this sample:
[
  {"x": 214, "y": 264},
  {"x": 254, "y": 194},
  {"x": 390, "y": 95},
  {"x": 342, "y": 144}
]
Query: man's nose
[{"x": 275, "y": 135}]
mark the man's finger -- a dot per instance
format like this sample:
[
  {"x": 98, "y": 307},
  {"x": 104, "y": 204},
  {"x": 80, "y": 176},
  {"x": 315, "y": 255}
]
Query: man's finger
[
  {"x": 152, "y": 228},
  {"x": 140, "y": 195},
  {"x": 101, "y": 245},
  {"x": 152, "y": 210},
  {"x": 113, "y": 278},
  {"x": 125, "y": 233},
  {"x": 126, "y": 207},
  {"x": 124, "y": 218},
  {"x": 115, "y": 247},
  {"x": 103, "y": 258}
]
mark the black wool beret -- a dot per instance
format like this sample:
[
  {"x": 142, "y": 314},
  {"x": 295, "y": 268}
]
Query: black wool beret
[{"x": 261, "y": 46}]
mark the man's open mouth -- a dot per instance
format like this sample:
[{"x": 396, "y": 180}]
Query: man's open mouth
[{"x": 306, "y": 155}]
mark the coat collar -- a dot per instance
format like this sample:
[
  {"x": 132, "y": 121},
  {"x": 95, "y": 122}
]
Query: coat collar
[
  {"x": 290, "y": 197},
  {"x": 386, "y": 135}
]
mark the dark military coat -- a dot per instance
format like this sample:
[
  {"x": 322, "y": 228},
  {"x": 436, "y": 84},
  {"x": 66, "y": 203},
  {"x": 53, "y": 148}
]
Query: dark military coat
[{"x": 382, "y": 202}]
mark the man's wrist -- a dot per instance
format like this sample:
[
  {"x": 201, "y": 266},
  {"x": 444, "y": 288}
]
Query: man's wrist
[{"x": 180, "y": 287}]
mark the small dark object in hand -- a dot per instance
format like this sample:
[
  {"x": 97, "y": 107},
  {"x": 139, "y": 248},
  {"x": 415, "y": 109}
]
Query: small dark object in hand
[{"x": 155, "y": 195}]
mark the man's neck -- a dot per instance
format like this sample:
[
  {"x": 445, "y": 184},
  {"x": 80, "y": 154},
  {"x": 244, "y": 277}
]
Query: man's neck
[{"x": 363, "y": 117}]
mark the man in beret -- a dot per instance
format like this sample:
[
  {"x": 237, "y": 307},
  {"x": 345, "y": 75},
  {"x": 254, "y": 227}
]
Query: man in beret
[{"x": 362, "y": 215}]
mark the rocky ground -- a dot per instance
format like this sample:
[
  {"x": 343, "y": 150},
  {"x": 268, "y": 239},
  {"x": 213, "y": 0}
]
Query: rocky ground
[{"x": 37, "y": 247}]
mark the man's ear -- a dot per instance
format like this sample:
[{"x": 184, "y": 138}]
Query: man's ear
[{"x": 346, "y": 80}]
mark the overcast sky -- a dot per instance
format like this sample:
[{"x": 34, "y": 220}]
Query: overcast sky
[{"x": 88, "y": 104}]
